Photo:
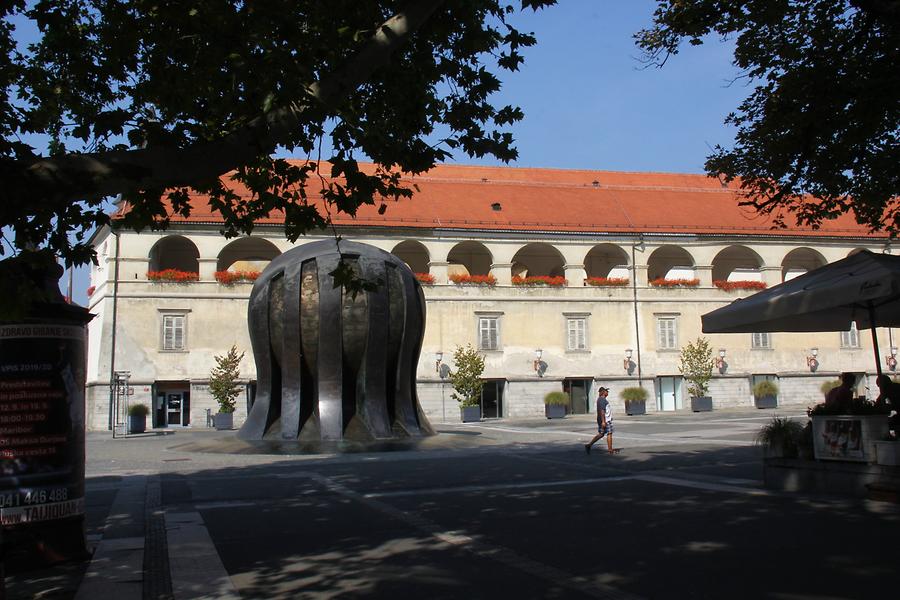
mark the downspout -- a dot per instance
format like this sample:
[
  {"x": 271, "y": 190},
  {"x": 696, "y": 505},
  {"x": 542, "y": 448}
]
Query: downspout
[
  {"x": 637, "y": 331},
  {"x": 112, "y": 351}
]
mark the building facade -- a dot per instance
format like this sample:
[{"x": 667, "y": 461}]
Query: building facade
[{"x": 564, "y": 280}]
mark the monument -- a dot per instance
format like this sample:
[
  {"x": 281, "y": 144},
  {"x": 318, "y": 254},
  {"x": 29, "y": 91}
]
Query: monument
[{"x": 332, "y": 365}]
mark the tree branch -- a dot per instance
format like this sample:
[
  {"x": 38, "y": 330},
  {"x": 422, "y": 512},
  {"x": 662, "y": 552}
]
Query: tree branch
[{"x": 79, "y": 176}]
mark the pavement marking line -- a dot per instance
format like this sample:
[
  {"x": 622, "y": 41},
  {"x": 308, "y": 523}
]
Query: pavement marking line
[
  {"x": 197, "y": 570},
  {"x": 648, "y": 437},
  {"x": 701, "y": 485},
  {"x": 481, "y": 549},
  {"x": 462, "y": 489},
  {"x": 224, "y": 504}
]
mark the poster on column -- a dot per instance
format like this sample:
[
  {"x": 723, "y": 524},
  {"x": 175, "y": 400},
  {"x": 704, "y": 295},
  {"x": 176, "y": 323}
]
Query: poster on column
[{"x": 41, "y": 423}]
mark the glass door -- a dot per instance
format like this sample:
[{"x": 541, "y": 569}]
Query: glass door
[
  {"x": 579, "y": 395},
  {"x": 173, "y": 408},
  {"x": 492, "y": 399},
  {"x": 668, "y": 393}
]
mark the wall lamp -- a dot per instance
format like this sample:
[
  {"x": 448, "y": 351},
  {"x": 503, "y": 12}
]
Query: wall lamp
[
  {"x": 537, "y": 362},
  {"x": 438, "y": 358},
  {"x": 812, "y": 361},
  {"x": 891, "y": 359},
  {"x": 721, "y": 365},
  {"x": 627, "y": 362}
]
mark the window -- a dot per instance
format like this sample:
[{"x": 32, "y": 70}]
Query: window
[
  {"x": 850, "y": 339},
  {"x": 760, "y": 340},
  {"x": 666, "y": 335},
  {"x": 576, "y": 332},
  {"x": 488, "y": 333},
  {"x": 173, "y": 331}
]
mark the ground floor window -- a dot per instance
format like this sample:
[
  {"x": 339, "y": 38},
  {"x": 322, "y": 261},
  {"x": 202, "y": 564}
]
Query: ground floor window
[
  {"x": 492, "y": 398},
  {"x": 668, "y": 393}
]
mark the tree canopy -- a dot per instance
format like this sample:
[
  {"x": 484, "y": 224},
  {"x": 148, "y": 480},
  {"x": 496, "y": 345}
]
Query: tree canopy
[
  {"x": 151, "y": 98},
  {"x": 818, "y": 135}
]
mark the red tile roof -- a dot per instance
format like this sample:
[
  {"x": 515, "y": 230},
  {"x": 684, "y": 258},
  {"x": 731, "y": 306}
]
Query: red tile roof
[{"x": 461, "y": 197}]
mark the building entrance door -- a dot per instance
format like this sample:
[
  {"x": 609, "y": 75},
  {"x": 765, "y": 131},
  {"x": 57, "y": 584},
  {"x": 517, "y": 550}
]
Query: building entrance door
[
  {"x": 579, "y": 391},
  {"x": 669, "y": 393},
  {"x": 492, "y": 399},
  {"x": 173, "y": 408}
]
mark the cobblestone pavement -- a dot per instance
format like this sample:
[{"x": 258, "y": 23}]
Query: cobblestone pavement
[{"x": 493, "y": 509}]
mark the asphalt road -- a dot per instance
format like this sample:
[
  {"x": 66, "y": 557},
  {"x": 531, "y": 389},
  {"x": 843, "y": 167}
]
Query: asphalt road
[{"x": 490, "y": 510}]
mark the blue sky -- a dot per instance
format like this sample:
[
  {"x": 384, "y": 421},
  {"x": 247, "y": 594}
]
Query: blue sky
[{"x": 590, "y": 104}]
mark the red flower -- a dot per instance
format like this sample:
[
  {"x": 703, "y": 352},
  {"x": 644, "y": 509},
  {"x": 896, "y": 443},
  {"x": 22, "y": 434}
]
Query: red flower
[
  {"x": 607, "y": 281},
  {"x": 230, "y": 277},
  {"x": 425, "y": 278},
  {"x": 669, "y": 283},
  {"x": 739, "y": 285},
  {"x": 460, "y": 279},
  {"x": 173, "y": 275},
  {"x": 539, "y": 280}
]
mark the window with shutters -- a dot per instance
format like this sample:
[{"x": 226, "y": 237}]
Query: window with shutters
[
  {"x": 576, "y": 333},
  {"x": 760, "y": 341},
  {"x": 488, "y": 333},
  {"x": 173, "y": 336},
  {"x": 850, "y": 338},
  {"x": 666, "y": 333}
]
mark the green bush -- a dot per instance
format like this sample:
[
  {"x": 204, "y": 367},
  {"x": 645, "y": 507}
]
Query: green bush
[
  {"x": 781, "y": 434},
  {"x": 557, "y": 398},
  {"x": 765, "y": 388},
  {"x": 138, "y": 410},
  {"x": 223, "y": 380},
  {"x": 827, "y": 386},
  {"x": 697, "y": 366},
  {"x": 633, "y": 394},
  {"x": 466, "y": 379}
]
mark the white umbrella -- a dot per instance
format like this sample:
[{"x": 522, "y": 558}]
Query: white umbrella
[{"x": 864, "y": 288}]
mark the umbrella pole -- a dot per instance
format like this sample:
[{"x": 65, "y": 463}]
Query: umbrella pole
[{"x": 874, "y": 339}]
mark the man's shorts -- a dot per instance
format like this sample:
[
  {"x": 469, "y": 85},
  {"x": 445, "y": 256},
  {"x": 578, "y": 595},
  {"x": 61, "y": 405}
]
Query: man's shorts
[{"x": 604, "y": 430}]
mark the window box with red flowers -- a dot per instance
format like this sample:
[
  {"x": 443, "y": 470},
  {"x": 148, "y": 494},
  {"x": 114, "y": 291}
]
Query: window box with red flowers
[
  {"x": 173, "y": 276},
  {"x": 91, "y": 290},
  {"x": 425, "y": 278},
  {"x": 607, "y": 281},
  {"x": 539, "y": 280},
  {"x": 739, "y": 285},
  {"x": 232, "y": 277},
  {"x": 674, "y": 283},
  {"x": 482, "y": 280}
]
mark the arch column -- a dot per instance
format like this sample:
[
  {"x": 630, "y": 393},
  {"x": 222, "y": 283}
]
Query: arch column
[
  {"x": 502, "y": 272},
  {"x": 639, "y": 272},
  {"x": 207, "y": 268},
  {"x": 439, "y": 270},
  {"x": 704, "y": 274},
  {"x": 771, "y": 275},
  {"x": 575, "y": 275}
]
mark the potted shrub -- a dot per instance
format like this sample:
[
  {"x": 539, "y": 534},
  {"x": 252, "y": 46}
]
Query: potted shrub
[
  {"x": 635, "y": 400},
  {"x": 467, "y": 382},
  {"x": 765, "y": 394},
  {"x": 697, "y": 366},
  {"x": 137, "y": 418},
  {"x": 780, "y": 438},
  {"x": 223, "y": 386},
  {"x": 829, "y": 385},
  {"x": 555, "y": 404}
]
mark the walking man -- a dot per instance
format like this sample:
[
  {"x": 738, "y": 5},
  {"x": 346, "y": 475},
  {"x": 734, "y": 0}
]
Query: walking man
[{"x": 604, "y": 422}]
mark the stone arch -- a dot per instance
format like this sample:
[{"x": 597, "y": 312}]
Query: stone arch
[
  {"x": 538, "y": 259},
  {"x": 414, "y": 254},
  {"x": 469, "y": 258},
  {"x": 737, "y": 263},
  {"x": 175, "y": 252},
  {"x": 247, "y": 254},
  {"x": 800, "y": 260},
  {"x": 607, "y": 260},
  {"x": 670, "y": 262}
]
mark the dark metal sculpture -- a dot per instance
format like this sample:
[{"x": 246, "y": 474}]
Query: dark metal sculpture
[{"x": 332, "y": 366}]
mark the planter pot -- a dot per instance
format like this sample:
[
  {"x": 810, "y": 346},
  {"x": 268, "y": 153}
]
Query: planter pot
[
  {"x": 887, "y": 453},
  {"x": 636, "y": 407},
  {"x": 137, "y": 424},
  {"x": 701, "y": 404},
  {"x": 224, "y": 421},
  {"x": 848, "y": 437},
  {"x": 555, "y": 411},
  {"x": 470, "y": 414},
  {"x": 766, "y": 402}
]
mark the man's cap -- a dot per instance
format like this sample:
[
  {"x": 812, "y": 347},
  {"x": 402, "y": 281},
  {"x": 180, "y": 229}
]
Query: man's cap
[{"x": 602, "y": 389}]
